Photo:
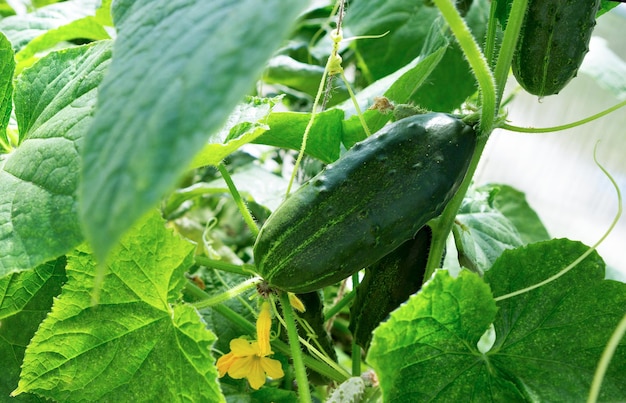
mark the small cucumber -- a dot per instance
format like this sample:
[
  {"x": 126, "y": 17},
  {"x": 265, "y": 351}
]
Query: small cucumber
[
  {"x": 366, "y": 204},
  {"x": 552, "y": 44},
  {"x": 387, "y": 284}
]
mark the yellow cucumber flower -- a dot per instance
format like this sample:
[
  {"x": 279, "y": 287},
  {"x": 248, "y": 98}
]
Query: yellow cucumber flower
[{"x": 248, "y": 359}]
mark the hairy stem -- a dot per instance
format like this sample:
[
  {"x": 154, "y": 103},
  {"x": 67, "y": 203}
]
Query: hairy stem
[{"x": 304, "y": 392}]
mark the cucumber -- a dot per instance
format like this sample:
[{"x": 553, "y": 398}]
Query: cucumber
[
  {"x": 552, "y": 44},
  {"x": 366, "y": 204},
  {"x": 387, "y": 284}
]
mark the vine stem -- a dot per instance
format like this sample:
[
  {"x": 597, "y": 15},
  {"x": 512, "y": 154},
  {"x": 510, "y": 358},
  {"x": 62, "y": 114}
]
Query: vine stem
[
  {"x": 566, "y": 126},
  {"x": 244, "y": 270},
  {"x": 509, "y": 41},
  {"x": 607, "y": 355},
  {"x": 304, "y": 393},
  {"x": 231, "y": 293},
  {"x": 589, "y": 251},
  {"x": 247, "y": 217},
  {"x": 477, "y": 62},
  {"x": 356, "y": 349}
]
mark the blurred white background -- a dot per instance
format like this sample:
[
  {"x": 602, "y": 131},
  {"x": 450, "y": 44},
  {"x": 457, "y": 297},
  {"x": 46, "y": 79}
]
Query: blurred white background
[{"x": 556, "y": 170}]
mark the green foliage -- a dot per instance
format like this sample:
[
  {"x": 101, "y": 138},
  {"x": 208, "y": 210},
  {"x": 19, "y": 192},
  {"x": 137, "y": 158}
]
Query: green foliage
[
  {"x": 54, "y": 103},
  {"x": 109, "y": 109},
  {"x": 409, "y": 35},
  {"x": 70, "y": 359},
  {"x": 547, "y": 341},
  {"x": 6, "y": 85},
  {"x": 26, "y": 300},
  {"x": 196, "y": 76}
]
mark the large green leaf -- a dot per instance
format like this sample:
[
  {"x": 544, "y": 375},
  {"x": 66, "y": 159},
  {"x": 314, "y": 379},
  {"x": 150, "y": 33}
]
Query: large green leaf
[
  {"x": 547, "y": 342},
  {"x": 27, "y": 298},
  {"x": 427, "y": 351},
  {"x": 180, "y": 67},
  {"x": 138, "y": 343},
  {"x": 7, "y": 66},
  {"x": 54, "y": 102}
]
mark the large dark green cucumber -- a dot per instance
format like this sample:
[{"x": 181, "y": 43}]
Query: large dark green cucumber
[
  {"x": 552, "y": 43},
  {"x": 366, "y": 204}
]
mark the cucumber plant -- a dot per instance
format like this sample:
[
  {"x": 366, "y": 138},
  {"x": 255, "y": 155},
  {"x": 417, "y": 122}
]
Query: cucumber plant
[{"x": 133, "y": 142}]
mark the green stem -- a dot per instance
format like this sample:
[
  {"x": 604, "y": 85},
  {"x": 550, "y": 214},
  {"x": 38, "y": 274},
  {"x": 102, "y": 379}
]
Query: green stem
[
  {"x": 443, "y": 225},
  {"x": 231, "y": 293},
  {"x": 238, "y": 200},
  {"x": 309, "y": 124},
  {"x": 492, "y": 28},
  {"x": 335, "y": 309},
  {"x": 607, "y": 355},
  {"x": 356, "y": 349},
  {"x": 509, "y": 41},
  {"x": 356, "y": 105},
  {"x": 296, "y": 353},
  {"x": 244, "y": 270},
  {"x": 566, "y": 126},
  {"x": 476, "y": 59}
]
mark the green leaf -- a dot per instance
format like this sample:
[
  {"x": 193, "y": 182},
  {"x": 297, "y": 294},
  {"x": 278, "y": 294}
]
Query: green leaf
[
  {"x": 245, "y": 123},
  {"x": 25, "y": 301},
  {"x": 7, "y": 67},
  {"x": 513, "y": 205},
  {"x": 482, "y": 232},
  {"x": 54, "y": 101},
  {"x": 287, "y": 129},
  {"x": 17, "y": 290},
  {"x": 606, "y": 6},
  {"x": 138, "y": 343},
  {"x": 549, "y": 340},
  {"x": 409, "y": 26},
  {"x": 21, "y": 29},
  {"x": 606, "y": 67},
  {"x": 427, "y": 351},
  {"x": 84, "y": 28},
  {"x": 170, "y": 87},
  {"x": 304, "y": 77}
]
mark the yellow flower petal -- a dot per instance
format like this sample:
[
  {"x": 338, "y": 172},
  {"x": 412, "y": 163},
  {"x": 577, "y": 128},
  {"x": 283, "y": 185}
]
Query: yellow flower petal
[
  {"x": 224, "y": 363},
  {"x": 263, "y": 327},
  {"x": 256, "y": 375},
  {"x": 272, "y": 368},
  {"x": 295, "y": 302},
  {"x": 241, "y": 367},
  {"x": 242, "y": 347}
]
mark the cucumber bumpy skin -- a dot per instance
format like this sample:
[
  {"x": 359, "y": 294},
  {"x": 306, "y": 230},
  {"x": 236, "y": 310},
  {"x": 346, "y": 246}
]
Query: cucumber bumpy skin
[
  {"x": 366, "y": 204},
  {"x": 553, "y": 43}
]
